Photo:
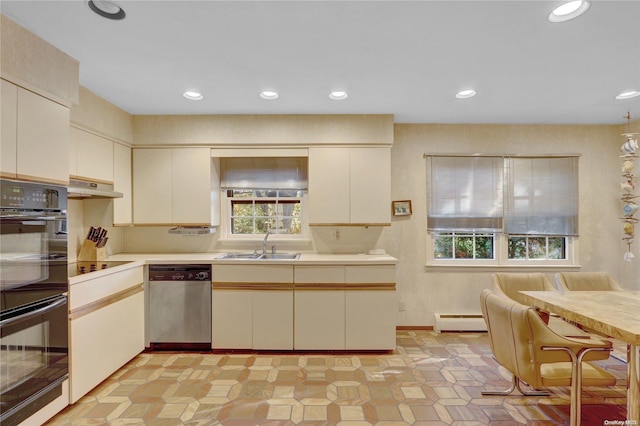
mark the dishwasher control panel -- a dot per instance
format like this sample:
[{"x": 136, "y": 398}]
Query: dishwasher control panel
[{"x": 179, "y": 272}]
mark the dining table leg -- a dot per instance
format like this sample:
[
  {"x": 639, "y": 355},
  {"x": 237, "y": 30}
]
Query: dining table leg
[{"x": 633, "y": 384}]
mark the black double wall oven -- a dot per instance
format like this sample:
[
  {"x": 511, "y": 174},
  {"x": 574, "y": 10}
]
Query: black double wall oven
[{"x": 33, "y": 298}]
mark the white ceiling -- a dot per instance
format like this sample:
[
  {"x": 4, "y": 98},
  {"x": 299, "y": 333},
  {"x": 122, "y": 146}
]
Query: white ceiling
[{"x": 406, "y": 58}]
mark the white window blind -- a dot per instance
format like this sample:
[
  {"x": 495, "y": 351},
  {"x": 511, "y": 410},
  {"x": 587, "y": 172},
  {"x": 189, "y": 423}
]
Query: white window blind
[
  {"x": 541, "y": 196},
  {"x": 264, "y": 173},
  {"x": 464, "y": 193}
]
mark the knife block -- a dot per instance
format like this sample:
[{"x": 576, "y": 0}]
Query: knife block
[{"x": 89, "y": 252}]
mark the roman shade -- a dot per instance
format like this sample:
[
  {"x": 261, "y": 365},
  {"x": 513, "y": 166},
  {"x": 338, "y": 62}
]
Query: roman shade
[
  {"x": 464, "y": 193},
  {"x": 541, "y": 196},
  {"x": 264, "y": 173}
]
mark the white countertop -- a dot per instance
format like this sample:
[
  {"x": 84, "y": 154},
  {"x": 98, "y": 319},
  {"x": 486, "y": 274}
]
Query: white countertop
[{"x": 304, "y": 259}]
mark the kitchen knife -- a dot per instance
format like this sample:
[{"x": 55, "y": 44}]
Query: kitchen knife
[
  {"x": 96, "y": 235},
  {"x": 102, "y": 242},
  {"x": 90, "y": 233}
]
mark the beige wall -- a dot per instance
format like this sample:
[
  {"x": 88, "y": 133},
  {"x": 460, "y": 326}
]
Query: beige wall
[
  {"x": 30, "y": 62},
  {"x": 262, "y": 130},
  {"x": 101, "y": 117},
  {"x": 427, "y": 290}
]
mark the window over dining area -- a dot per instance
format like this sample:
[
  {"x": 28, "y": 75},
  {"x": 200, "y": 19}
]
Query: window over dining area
[{"x": 502, "y": 210}]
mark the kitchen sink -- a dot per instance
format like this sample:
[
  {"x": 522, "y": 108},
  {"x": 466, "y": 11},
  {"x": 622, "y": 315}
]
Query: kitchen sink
[
  {"x": 252, "y": 255},
  {"x": 259, "y": 256},
  {"x": 279, "y": 256}
]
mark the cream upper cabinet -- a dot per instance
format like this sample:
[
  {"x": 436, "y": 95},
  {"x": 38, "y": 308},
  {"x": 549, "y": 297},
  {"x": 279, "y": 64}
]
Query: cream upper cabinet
[
  {"x": 35, "y": 137},
  {"x": 349, "y": 186},
  {"x": 172, "y": 186},
  {"x": 93, "y": 157},
  {"x": 152, "y": 186},
  {"x": 8, "y": 128},
  {"x": 122, "y": 207}
]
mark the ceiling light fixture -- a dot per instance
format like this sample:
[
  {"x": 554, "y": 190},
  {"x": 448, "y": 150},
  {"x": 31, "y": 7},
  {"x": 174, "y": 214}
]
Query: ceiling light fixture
[
  {"x": 193, "y": 95},
  {"x": 466, "y": 94},
  {"x": 338, "y": 95},
  {"x": 568, "y": 10},
  {"x": 269, "y": 95},
  {"x": 628, "y": 95},
  {"x": 107, "y": 9}
]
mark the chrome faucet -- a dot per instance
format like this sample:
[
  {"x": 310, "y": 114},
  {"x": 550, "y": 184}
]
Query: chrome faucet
[{"x": 264, "y": 242}]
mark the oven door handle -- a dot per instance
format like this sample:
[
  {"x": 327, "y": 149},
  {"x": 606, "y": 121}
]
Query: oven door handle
[{"x": 28, "y": 315}]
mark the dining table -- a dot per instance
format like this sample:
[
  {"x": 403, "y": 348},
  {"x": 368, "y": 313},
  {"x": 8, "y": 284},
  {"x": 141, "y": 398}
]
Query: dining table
[{"x": 615, "y": 314}]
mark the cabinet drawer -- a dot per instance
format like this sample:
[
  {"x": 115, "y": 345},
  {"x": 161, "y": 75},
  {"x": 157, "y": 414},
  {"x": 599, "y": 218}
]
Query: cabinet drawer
[
  {"x": 253, "y": 273},
  {"x": 371, "y": 274},
  {"x": 89, "y": 291},
  {"x": 319, "y": 274}
]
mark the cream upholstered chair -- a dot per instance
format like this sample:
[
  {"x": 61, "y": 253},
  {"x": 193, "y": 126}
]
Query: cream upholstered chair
[
  {"x": 509, "y": 285},
  {"x": 587, "y": 281},
  {"x": 523, "y": 344}
]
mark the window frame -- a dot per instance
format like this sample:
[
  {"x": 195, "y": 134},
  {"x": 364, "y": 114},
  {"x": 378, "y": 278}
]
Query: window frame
[
  {"x": 226, "y": 214},
  {"x": 500, "y": 241}
]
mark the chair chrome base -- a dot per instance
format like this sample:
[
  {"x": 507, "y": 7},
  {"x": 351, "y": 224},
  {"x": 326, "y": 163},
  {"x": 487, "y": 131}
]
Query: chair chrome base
[{"x": 517, "y": 384}]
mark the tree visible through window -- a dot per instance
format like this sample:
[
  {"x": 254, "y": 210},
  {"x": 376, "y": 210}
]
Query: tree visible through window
[{"x": 256, "y": 211}]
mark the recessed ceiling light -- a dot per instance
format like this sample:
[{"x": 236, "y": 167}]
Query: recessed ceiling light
[
  {"x": 568, "y": 10},
  {"x": 106, "y": 9},
  {"x": 338, "y": 95},
  {"x": 466, "y": 94},
  {"x": 269, "y": 95},
  {"x": 193, "y": 95},
  {"x": 628, "y": 95}
]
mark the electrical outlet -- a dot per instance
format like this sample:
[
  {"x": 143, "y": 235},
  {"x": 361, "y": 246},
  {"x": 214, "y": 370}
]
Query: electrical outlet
[
  {"x": 402, "y": 305},
  {"x": 335, "y": 234}
]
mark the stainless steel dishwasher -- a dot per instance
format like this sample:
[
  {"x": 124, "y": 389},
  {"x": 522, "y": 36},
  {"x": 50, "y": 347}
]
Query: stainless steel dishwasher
[{"x": 180, "y": 307}]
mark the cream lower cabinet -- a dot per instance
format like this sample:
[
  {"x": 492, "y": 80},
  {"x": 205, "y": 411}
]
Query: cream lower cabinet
[
  {"x": 106, "y": 327},
  {"x": 252, "y": 307},
  {"x": 319, "y": 307},
  {"x": 370, "y": 303}
]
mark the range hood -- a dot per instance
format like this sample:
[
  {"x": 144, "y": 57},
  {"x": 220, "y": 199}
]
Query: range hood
[{"x": 84, "y": 189}]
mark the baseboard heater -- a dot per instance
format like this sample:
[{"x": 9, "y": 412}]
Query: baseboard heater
[{"x": 459, "y": 322}]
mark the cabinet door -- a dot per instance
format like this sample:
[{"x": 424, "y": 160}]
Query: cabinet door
[
  {"x": 232, "y": 319},
  {"x": 122, "y": 183},
  {"x": 152, "y": 186},
  {"x": 8, "y": 131},
  {"x": 43, "y": 139},
  {"x": 94, "y": 156},
  {"x": 328, "y": 186},
  {"x": 370, "y": 307},
  {"x": 91, "y": 352},
  {"x": 191, "y": 186},
  {"x": 319, "y": 307},
  {"x": 273, "y": 318},
  {"x": 127, "y": 326},
  {"x": 370, "y": 185}
]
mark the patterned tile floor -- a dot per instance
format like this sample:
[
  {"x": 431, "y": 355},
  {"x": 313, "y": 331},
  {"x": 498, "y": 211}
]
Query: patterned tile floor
[{"x": 430, "y": 379}]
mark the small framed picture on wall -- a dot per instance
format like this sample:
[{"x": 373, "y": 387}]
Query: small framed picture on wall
[{"x": 401, "y": 208}]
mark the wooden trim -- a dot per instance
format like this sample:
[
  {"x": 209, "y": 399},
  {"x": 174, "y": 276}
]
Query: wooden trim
[
  {"x": 6, "y": 175},
  {"x": 171, "y": 224},
  {"x": 351, "y": 224},
  {"x": 105, "y": 301},
  {"x": 252, "y": 286},
  {"x": 42, "y": 180},
  {"x": 318, "y": 286},
  {"x": 414, "y": 327},
  {"x": 90, "y": 179},
  {"x": 371, "y": 286}
]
